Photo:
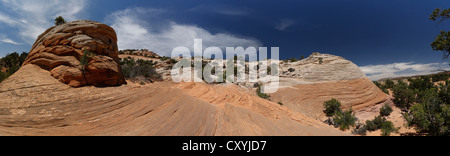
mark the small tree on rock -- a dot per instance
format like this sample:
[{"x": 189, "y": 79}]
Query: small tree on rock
[{"x": 59, "y": 20}]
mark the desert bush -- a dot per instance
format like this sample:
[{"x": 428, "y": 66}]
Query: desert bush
[
  {"x": 386, "y": 110},
  {"x": 387, "y": 127},
  {"x": 379, "y": 122},
  {"x": 440, "y": 77},
  {"x": 444, "y": 93},
  {"x": 375, "y": 124},
  {"x": 85, "y": 58},
  {"x": 331, "y": 107},
  {"x": 384, "y": 90},
  {"x": 12, "y": 62},
  {"x": 404, "y": 97},
  {"x": 280, "y": 103},
  {"x": 133, "y": 69},
  {"x": 293, "y": 60},
  {"x": 389, "y": 84},
  {"x": 3, "y": 76},
  {"x": 344, "y": 120},
  {"x": 13, "y": 59},
  {"x": 431, "y": 116},
  {"x": 260, "y": 94},
  {"x": 378, "y": 84},
  {"x": 420, "y": 84},
  {"x": 360, "y": 129},
  {"x": 320, "y": 60}
]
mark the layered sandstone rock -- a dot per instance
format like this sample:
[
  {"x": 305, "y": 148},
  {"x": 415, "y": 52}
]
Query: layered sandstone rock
[
  {"x": 306, "y": 84},
  {"x": 34, "y": 103},
  {"x": 322, "y": 67},
  {"x": 60, "y": 49}
]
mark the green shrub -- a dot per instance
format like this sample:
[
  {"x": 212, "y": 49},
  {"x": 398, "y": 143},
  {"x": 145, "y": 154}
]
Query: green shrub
[
  {"x": 280, "y": 103},
  {"x": 385, "y": 91},
  {"x": 302, "y": 57},
  {"x": 85, "y": 58},
  {"x": 404, "y": 97},
  {"x": 331, "y": 107},
  {"x": 386, "y": 110},
  {"x": 3, "y": 76},
  {"x": 293, "y": 60},
  {"x": 432, "y": 116},
  {"x": 360, "y": 129},
  {"x": 344, "y": 120},
  {"x": 387, "y": 127},
  {"x": 320, "y": 60},
  {"x": 378, "y": 84},
  {"x": 12, "y": 62},
  {"x": 421, "y": 84},
  {"x": 379, "y": 122},
  {"x": 389, "y": 84},
  {"x": 59, "y": 20},
  {"x": 133, "y": 69},
  {"x": 440, "y": 77},
  {"x": 444, "y": 93},
  {"x": 375, "y": 124},
  {"x": 260, "y": 94}
]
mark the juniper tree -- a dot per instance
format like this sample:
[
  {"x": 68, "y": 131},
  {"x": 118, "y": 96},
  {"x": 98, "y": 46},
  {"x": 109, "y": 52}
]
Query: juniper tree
[
  {"x": 59, "y": 20},
  {"x": 442, "y": 41}
]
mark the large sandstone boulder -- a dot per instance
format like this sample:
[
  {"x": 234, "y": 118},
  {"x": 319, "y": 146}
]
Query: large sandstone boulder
[{"x": 60, "y": 49}]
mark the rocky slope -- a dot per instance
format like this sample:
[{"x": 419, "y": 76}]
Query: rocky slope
[{"x": 34, "y": 103}]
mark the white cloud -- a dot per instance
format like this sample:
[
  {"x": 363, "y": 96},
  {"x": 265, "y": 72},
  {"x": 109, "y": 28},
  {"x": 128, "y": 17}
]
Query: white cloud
[
  {"x": 284, "y": 24},
  {"x": 224, "y": 10},
  {"x": 376, "y": 72},
  {"x": 7, "y": 40},
  {"x": 31, "y": 17},
  {"x": 162, "y": 36}
]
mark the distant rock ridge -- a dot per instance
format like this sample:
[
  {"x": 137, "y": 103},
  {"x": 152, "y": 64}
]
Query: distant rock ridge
[
  {"x": 60, "y": 49},
  {"x": 322, "y": 67},
  {"x": 306, "y": 84}
]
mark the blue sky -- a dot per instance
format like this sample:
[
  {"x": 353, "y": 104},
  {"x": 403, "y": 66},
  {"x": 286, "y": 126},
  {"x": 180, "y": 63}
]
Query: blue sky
[{"x": 386, "y": 38}]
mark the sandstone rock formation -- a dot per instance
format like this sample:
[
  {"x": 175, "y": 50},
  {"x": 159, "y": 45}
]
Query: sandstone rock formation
[
  {"x": 60, "y": 49},
  {"x": 306, "y": 84},
  {"x": 34, "y": 103},
  {"x": 322, "y": 67}
]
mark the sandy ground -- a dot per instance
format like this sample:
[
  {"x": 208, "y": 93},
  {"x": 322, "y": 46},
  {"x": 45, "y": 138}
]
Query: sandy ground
[
  {"x": 396, "y": 117},
  {"x": 34, "y": 103}
]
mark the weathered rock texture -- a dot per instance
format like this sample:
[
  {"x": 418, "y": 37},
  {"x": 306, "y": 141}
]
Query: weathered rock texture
[
  {"x": 34, "y": 103},
  {"x": 60, "y": 49},
  {"x": 322, "y": 67},
  {"x": 306, "y": 84}
]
